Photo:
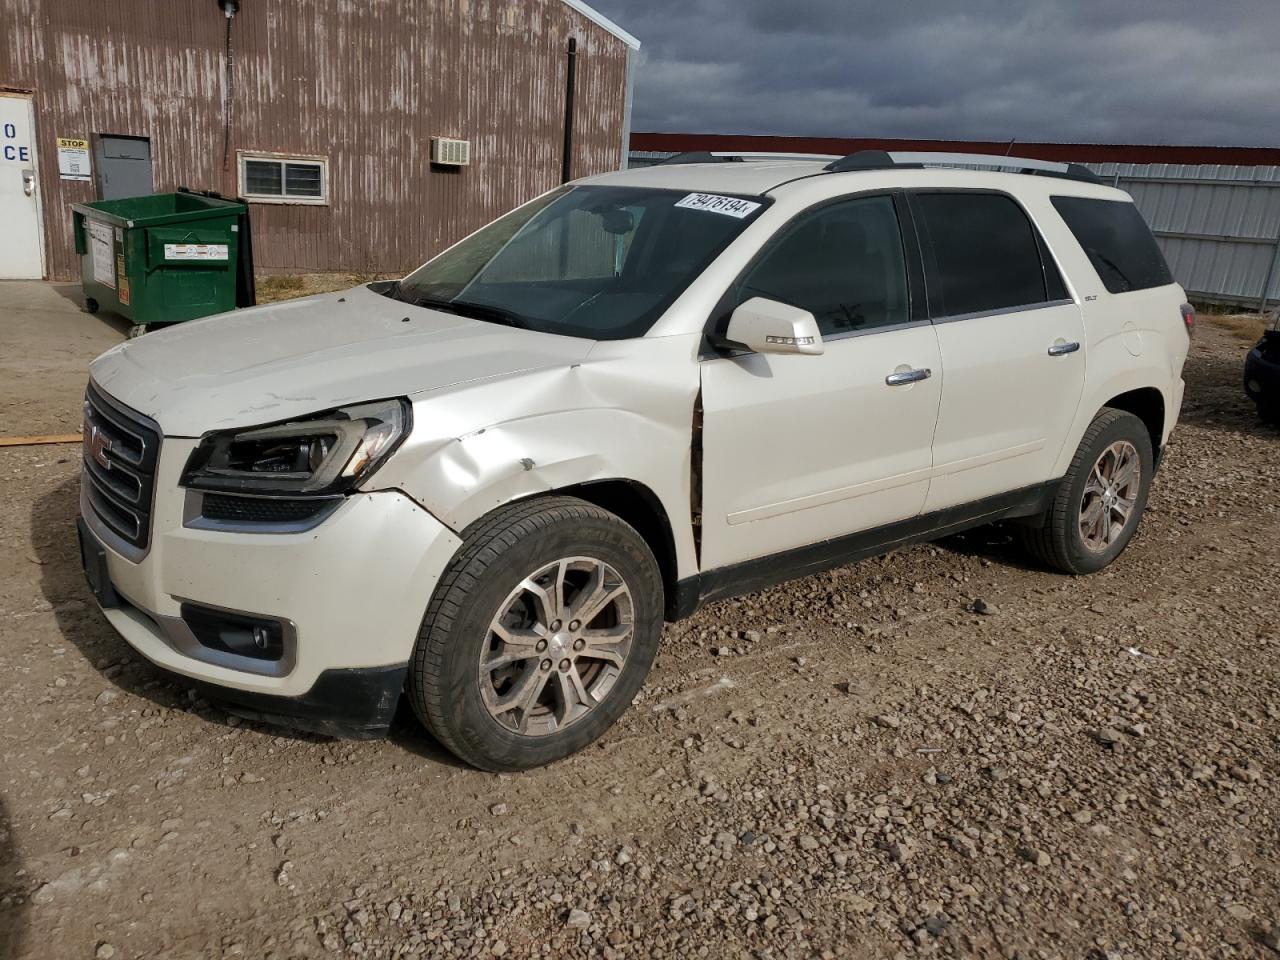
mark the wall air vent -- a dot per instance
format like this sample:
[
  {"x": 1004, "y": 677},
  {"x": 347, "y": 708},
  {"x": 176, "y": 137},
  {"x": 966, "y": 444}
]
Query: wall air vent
[{"x": 450, "y": 153}]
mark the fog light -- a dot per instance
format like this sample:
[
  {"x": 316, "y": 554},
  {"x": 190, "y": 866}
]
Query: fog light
[
  {"x": 241, "y": 634},
  {"x": 1255, "y": 386}
]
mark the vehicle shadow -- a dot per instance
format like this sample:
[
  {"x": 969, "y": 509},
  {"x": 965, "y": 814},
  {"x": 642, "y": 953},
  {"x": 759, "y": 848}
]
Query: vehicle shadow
[
  {"x": 996, "y": 542},
  {"x": 409, "y": 735},
  {"x": 13, "y": 902}
]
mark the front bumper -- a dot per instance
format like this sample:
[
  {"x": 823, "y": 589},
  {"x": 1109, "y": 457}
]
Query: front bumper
[
  {"x": 1262, "y": 370},
  {"x": 352, "y": 592},
  {"x": 352, "y": 704}
]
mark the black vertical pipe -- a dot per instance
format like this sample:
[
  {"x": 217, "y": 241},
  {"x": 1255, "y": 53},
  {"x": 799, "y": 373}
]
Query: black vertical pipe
[
  {"x": 227, "y": 102},
  {"x": 229, "y": 10},
  {"x": 571, "y": 80}
]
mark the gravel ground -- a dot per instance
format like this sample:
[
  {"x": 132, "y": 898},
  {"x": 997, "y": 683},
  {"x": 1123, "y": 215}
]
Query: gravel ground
[{"x": 852, "y": 765}]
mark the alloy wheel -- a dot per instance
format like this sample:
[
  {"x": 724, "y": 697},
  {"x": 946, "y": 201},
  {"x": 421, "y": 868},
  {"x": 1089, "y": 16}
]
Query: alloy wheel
[
  {"x": 1110, "y": 495},
  {"x": 557, "y": 646}
]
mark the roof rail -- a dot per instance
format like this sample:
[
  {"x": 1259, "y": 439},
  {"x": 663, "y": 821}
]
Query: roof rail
[
  {"x": 706, "y": 156},
  {"x": 695, "y": 156},
  {"x": 881, "y": 160},
  {"x": 865, "y": 160}
]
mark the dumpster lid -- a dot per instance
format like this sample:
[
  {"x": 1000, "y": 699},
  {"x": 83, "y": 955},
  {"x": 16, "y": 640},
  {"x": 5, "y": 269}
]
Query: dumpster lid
[{"x": 159, "y": 208}]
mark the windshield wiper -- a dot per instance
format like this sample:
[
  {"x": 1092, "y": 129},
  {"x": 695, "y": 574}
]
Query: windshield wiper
[
  {"x": 1115, "y": 268},
  {"x": 386, "y": 288},
  {"x": 476, "y": 311}
]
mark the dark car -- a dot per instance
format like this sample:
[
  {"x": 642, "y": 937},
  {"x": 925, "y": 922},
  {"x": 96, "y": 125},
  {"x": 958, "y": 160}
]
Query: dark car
[{"x": 1262, "y": 373}]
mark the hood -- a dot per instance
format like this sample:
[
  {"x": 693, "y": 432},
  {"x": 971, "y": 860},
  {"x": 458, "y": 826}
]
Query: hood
[{"x": 290, "y": 359}]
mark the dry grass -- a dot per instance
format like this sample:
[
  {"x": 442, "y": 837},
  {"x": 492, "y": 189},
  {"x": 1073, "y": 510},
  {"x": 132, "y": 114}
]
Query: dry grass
[
  {"x": 1243, "y": 326},
  {"x": 290, "y": 286}
]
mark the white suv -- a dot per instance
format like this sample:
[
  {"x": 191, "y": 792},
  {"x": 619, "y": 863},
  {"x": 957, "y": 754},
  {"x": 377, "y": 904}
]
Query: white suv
[{"x": 486, "y": 486}]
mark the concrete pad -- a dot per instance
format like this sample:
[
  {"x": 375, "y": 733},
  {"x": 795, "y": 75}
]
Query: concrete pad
[{"x": 46, "y": 343}]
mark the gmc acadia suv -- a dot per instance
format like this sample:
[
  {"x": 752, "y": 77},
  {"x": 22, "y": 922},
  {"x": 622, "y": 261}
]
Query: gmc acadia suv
[{"x": 485, "y": 486}]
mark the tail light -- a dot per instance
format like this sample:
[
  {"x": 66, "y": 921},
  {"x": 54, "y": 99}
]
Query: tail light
[{"x": 1189, "y": 318}]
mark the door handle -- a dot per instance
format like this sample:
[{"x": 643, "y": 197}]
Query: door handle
[
  {"x": 1062, "y": 349},
  {"x": 28, "y": 182},
  {"x": 908, "y": 376}
]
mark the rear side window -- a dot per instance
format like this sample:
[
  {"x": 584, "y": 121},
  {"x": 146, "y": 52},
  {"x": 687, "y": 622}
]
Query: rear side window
[
  {"x": 981, "y": 254},
  {"x": 1117, "y": 241}
]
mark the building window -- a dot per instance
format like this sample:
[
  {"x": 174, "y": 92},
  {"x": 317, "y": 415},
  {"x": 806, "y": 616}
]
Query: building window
[{"x": 279, "y": 179}]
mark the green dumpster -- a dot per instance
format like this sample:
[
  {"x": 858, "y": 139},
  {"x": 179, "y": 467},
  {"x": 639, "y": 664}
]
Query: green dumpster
[{"x": 162, "y": 258}]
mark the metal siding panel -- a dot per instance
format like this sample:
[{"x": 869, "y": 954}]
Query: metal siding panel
[
  {"x": 1217, "y": 206},
  {"x": 365, "y": 85}
]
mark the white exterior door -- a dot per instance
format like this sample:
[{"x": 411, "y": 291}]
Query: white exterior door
[
  {"x": 797, "y": 450},
  {"x": 802, "y": 449},
  {"x": 1012, "y": 385},
  {"x": 21, "y": 242},
  {"x": 1012, "y": 344}
]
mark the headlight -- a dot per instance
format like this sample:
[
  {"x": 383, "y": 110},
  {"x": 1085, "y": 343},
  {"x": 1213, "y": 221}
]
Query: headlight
[{"x": 327, "y": 455}]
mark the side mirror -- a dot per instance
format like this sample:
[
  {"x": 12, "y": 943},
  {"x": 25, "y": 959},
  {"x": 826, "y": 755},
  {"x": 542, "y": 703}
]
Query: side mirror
[{"x": 767, "y": 326}]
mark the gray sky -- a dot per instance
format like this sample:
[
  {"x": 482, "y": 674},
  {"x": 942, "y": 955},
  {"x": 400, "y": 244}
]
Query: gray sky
[{"x": 1127, "y": 71}]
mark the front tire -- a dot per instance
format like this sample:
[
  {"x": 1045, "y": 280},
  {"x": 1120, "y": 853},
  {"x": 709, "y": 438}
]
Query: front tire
[
  {"x": 538, "y": 636},
  {"x": 1100, "y": 501}
]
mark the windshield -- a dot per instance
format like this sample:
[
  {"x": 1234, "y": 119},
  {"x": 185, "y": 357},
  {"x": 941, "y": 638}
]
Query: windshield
[{"x": 596, "y": 262}]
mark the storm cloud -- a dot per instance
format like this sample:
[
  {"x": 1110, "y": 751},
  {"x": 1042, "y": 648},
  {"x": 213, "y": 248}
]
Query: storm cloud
[{"x": 1123, "y": 71}]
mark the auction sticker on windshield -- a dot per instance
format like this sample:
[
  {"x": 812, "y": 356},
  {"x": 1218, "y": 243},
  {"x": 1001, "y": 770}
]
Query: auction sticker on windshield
[{"x": 713, "y": 203}]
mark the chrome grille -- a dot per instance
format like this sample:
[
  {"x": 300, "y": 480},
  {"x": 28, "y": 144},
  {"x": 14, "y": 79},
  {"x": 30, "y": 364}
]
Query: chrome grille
[{"x": 120, "y": 448}]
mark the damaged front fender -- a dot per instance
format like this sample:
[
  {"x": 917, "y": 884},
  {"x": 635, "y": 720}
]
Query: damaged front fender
[{"x": 618, "y": 415}]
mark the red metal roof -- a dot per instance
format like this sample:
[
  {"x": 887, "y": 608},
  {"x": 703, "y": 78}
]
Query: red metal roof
[{"x": 1063, "y": 152}]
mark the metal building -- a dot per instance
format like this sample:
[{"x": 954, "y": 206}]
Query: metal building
[{"x": 367, "y": 135}]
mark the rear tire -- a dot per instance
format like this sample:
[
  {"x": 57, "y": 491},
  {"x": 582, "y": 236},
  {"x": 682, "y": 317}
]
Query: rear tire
[
  {"x": 137, "y": 330},
  {"x": 538, "y": 636},
  {"x": 1099, "y": 503},
  {"x": 90, "y": 305}
]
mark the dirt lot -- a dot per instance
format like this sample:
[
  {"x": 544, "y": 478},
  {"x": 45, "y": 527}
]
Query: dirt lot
[{"x": 853, "y": 765}]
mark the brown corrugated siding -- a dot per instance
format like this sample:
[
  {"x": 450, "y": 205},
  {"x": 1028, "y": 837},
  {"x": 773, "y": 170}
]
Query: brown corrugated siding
[{"x": 364, "y": 84}]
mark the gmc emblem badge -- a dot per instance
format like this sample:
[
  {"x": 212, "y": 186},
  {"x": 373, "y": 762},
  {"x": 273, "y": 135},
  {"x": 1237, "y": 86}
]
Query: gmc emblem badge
[{"x": 99, "y": 446}]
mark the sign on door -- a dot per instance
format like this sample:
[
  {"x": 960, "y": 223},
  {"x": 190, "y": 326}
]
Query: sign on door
[{"x": 13, "y": 148}]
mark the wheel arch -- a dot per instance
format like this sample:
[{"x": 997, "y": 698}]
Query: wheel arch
[
  {"x": 642, "y": 509},
  {"x": 1147, "y": 404},
  {"x": 1140, "y": 390}
]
